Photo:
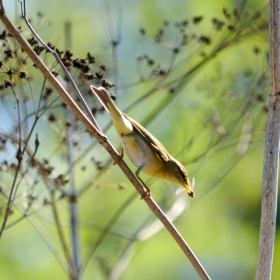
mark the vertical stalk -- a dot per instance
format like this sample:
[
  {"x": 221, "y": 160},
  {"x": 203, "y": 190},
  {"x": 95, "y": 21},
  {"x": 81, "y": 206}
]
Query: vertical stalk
[
  {"x": 75, "y": 241},
  {"x": 271, "y": 153},
  {"x": 74, "y": 220}
]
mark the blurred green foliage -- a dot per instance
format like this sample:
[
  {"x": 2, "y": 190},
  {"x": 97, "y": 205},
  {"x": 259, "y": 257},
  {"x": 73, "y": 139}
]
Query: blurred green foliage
[{"x": 204, "y": 98}]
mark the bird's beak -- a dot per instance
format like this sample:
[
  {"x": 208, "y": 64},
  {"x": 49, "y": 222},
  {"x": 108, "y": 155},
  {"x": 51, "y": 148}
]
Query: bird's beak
[{"x": 189, "y": 189}]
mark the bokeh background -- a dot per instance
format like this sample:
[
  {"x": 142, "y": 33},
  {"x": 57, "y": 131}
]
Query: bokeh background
[{"x": 205, "y": 101}]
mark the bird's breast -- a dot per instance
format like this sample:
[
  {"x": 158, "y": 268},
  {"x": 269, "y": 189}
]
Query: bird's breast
[{"x": 140, "y": 153}]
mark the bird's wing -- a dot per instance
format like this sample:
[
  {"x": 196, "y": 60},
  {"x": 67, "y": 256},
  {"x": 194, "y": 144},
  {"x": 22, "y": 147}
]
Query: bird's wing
[{"x": 151, "y": 141}]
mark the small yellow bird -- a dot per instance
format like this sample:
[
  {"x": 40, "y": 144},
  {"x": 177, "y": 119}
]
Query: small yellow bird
[{"x": 142, "y": 148}]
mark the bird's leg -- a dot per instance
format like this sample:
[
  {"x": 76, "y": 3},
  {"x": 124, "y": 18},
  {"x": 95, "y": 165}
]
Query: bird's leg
[
  {"x": 147, "y": 191},
  {"x": 121, "y": 155}
]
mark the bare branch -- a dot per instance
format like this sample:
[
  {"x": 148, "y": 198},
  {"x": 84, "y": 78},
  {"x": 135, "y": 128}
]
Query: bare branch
[{"x": 271, "y": 153}]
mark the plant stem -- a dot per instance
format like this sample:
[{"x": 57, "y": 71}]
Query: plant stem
[{"x": 271, "y": 153}]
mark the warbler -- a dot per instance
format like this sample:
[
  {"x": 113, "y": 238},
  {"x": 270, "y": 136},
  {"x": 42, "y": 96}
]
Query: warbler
[{"x": 142, "y": 148}]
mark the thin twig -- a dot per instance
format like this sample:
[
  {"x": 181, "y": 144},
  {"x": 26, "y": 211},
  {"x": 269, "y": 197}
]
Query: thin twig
[
  {"x": 54, "y": 53},
  {"x": 19, "y": 157},
  {"x": 73, "y": 201},
  {"x": 73, "y": 204},
  {"x": 106, "y": 230},
  {"x": 39, "y": 229}
]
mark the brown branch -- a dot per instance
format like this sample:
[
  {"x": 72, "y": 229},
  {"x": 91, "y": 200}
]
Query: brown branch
[
  {"x": 104, "y": 142},
  {"x": 271, "y": 153}
]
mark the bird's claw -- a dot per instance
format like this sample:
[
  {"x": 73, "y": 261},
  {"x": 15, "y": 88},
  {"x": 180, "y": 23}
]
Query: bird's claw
[{"x": 147, "y": 192}]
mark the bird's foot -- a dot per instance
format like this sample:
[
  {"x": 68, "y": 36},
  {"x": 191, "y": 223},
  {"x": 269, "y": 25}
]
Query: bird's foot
[{"x": 147, "y": 192}]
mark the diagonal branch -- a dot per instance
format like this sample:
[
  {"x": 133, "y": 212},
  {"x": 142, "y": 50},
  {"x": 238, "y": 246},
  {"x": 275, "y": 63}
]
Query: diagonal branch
[{"x": 104, "y": 142}]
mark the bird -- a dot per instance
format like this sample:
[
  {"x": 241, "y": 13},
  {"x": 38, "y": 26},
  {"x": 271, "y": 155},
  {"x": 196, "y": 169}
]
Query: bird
[{"x": 142, "y": 148}]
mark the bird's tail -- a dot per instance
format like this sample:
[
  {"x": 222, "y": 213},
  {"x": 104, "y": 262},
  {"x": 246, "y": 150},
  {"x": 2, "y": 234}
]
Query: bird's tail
[
  {"x": 103, "y": 96},
  {"x": 122, "y": 124}
]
